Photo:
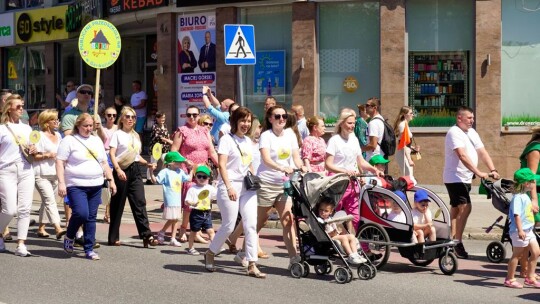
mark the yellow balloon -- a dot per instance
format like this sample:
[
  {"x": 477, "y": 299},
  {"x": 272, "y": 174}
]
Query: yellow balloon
[
  {"x": 35, "y": 136},
  {"x": 156, "y": 151}
]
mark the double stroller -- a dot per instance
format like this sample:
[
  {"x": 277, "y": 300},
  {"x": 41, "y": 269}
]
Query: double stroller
[
  {"x": 499, "y": 192},
  {"x": 317, "y": 248}
]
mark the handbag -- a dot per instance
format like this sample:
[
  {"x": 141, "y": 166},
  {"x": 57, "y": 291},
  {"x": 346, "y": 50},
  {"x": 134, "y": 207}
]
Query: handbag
[
  {"x": 105, "y": 180},
  {"x": 251, "y": 182},
  {"x": 25, "y": 150},
  {"x": 128, "y": 157},
  {"x": 415, "y": 154}
]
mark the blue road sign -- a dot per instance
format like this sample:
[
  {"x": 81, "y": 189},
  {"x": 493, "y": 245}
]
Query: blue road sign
[{"x": 239, "y": 44}]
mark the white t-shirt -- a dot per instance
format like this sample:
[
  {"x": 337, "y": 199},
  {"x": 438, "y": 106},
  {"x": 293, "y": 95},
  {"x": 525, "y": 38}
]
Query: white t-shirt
[
  {"x": 397, "y": 217},
  {"x": 302, "y": 128},
  {"x": 201, "y": 197},
  {"x": 421, "y": 218},
  {"x": 70, "y": 96},
  {"x": 9, "y": 150},
  {"x": 237, "y": 165},
  {"x": 136, "y": 101},
  {"x": 225, "y": 129},
  {"x": 123, "y": 141},
  {"x": 46, "y": 167},
  {"x": 376, "y": 128},
  {"x": 82, "y": 169},
  {"x": 454, "y": 170},
  {"x": 345, "y": 152},
  {"x": 281, "y": 150}
]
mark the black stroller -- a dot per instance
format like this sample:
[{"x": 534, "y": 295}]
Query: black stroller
[
  {"x": 316, "y": 247},
  {"x": 499, "y": 191}
]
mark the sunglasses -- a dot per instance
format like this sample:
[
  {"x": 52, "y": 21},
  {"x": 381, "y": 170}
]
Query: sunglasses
[
  {"x": 19, "y": 107},
  {"x": 369, "y": 105},
  {"x": 111, "y": 115},
  {"x": 86, "y": 92},
  {"x": 202, "y": 176},
  {"x": 129, "y": 116},
  {"x": 192, "y": 115},
  {"x": 279, "y": 116},
  {"x": 208, "y": 124}
]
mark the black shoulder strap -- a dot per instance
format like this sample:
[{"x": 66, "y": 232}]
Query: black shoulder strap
[{"x": 242, "y": 154}]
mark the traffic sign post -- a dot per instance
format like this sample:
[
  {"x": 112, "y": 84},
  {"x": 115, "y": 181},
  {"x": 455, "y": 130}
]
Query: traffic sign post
[{"x": 239, "y": 44}]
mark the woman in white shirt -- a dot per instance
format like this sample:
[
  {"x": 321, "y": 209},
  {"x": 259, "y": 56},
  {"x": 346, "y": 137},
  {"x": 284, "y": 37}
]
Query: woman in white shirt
[
  {"x": 235, "y": 160},
  {"x": 16, "y": 173},
  {"x": 45, "y": 171},
  {"x": 81, "y": 166},
  {"x": 344, "y": 155},
  {"x": 125, "y": 151},
  {"x": 279, "y": 149},
  {"x": 105, "y": 132}
]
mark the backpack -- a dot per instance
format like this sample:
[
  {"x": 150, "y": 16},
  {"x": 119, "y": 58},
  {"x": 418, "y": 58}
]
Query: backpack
[{"x": 388, "y": 142}]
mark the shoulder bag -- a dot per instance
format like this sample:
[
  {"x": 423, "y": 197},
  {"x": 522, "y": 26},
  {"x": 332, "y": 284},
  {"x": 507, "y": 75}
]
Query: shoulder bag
[
  {"x": 128, "y": 157},
  {"x": 105, "y": 181},
  {"x": 251, "y": 182},
  {"x": 25, "y": 150}
]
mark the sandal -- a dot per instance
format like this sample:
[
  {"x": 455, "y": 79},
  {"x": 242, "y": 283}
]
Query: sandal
[
  {"x": 106, "y": 219},
  {"x": 253, "y": 271},
  {"x": 60, "y": 234},
  {"x": 532, "y": 283},
  {"x": 199, "y": 239},
  {"x": 232, "y": 247},
  {"x": 43, "y": 234},
  {"x": 512, "y": 283},
  {"x": 536, "y": 276},
  {"x": 263, "y": 255},
  {"x": 209, "y": 261},
  {"x": 150, "y": 241}
]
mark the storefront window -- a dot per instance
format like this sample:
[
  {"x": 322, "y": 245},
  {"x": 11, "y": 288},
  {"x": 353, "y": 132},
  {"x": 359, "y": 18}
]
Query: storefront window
[
  {"x": 520, "y": 56},
  {"x": 16, "y": 4},
  {"x": 441, "y": 43},
  {"x": 349, "y": 55},
  {"x": 133, "y": 63},
  {"x": 27, "y": 77},
  {"x": 273, "y": 26}
]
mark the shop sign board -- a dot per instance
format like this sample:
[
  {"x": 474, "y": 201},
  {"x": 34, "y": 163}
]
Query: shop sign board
[
  {"x": 239, "y": 44},
  {"x": 81, "y": 12},
  {"x": 185, "y": 3},
  {"x": 269, "y": 73},
  {"x": 39, "y": 25},
  {"x": 125, "y": 6},
  {"x": 7, "y": 33},
  {"x": 99, "y": 44}
]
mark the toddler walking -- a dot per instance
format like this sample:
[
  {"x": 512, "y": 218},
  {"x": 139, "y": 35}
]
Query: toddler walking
[
  {"x": 171, "y": 178},
  {"x": 521, "y": 229}
]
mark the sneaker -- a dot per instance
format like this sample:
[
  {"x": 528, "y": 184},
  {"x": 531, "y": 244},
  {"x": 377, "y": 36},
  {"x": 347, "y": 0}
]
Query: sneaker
[
  {"x": 92, "y": 256},
  {"x": 68, "y": 245},
  {"x": 2, "y": 245},
  {"x": 21, "y": 251},
  {"x": 240, "y": 258},
  {"x": 360, "y": 258},
  {"x": 532, "y": 283},
  {"x": 192, "y": 251},
  {"x": 174, "y": 243},
  {"x": 460, "y": 252},
  {"x": 513, "y": 283},
  {"x": 356, "y": 260},
  {"x": 161, "y": 238}
]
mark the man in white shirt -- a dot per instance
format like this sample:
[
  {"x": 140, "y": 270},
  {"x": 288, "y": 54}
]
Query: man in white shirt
[
  {"x": 301, "y": 120},
  {"x": 375, "y": 129},
  {"x": 462, "y": 149},
  {"x": 138, "y": 102}
]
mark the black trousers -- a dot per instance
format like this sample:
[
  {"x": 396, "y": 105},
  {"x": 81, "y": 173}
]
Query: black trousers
[{"x": 133, "y": 190}]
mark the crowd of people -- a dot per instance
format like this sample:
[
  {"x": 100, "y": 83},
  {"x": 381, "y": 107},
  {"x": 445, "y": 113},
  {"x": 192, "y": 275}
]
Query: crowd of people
[{"x": 89, "y": 160}]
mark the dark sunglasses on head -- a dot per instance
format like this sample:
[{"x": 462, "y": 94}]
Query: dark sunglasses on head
[
  {"x": 111, "y": 115},
  {"x": 279, "y": 116},
  {"x": 199, "y": 176},
  {"x": 86, "y": 92},
  {"x": 129, "y": 116},
  {"x": 208, "y": 124},
  {"x": 192, "y": 114}
]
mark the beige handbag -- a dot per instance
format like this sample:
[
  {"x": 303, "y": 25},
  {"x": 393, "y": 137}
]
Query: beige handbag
[{"x": 127, "y": 159}]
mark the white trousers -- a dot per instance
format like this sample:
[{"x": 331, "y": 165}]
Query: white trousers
[
  {"x": 47, "y": 186},
  {"x": 16, "y": 195},
  {"x": 247, "y": 204},
  {"x": 405, "y": 169}
]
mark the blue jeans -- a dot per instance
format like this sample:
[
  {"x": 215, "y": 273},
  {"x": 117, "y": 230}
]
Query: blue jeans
[
  {"x": 84, "y": 203},
  {"x": 139, "y": 125}
]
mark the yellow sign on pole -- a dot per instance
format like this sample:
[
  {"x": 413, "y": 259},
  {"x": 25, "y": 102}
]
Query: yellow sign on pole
[{"x": 99, "y": 44}]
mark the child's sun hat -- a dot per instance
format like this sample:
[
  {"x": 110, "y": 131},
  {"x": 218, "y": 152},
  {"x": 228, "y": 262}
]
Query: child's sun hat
[
  {"x": 174, "y": 157},
  {"x": 524, "y": 175},
  {"x": 378, "y": 159}
]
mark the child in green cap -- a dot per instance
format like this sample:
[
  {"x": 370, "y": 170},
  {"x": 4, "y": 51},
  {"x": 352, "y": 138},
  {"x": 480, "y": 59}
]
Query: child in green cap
[
  {"x": 171, "y": 178},
  {"x": 521, "y": 229}
]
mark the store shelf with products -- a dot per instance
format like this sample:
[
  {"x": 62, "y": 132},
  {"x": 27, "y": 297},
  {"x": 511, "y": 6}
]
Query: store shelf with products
[{"x": 438, "y": 80}]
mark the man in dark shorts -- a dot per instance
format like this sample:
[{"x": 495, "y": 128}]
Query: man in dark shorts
[{"x": 462, "y": 150}]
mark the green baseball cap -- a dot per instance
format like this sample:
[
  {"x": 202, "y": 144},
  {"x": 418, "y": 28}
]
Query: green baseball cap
[
  {"x": 203, "y": 169},
  {"x": 525, "y": 175},
  {"x": 174, "y": 157},
  {"x": 378, "y": 159}
]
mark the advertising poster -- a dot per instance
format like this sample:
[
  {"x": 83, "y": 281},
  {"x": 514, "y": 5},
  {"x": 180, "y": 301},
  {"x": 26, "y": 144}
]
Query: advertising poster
[
  {"x": 196, "y": 60},
  {"x": 269, "y": 78}
]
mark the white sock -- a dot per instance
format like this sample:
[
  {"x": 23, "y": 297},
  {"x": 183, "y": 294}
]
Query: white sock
[{"x": 79, "y": 234}]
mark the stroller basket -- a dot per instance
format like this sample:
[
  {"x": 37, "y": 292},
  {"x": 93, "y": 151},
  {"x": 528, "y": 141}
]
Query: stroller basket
[{"x": 498, "y": 192}]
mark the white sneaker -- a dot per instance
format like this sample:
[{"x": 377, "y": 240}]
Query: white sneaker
[
  {"x": 240, "y": 258},
  {"x": 356, "y": 259},
  {"x": 175, "y": 243},
  {"x": 2, "y": 245},
  {"x": 21, "y": 251}
]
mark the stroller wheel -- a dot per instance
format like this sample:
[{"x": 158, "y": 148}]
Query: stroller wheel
[
  {"x": 342, "y": 275},
  {"x": 378, "y": 253},
  {"x": 297, "y": 270},
  {"x": 364, "y": 272},
  {"x": 448, "y": 264},
  {"x": 306, "y": 270},
  {"x": 325, "y": 268},
  {"x": 495, "y": 252},
  {"x": 422, "y": 263}
]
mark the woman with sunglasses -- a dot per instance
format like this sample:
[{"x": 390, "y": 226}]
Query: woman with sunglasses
[
  {"x": 105, "y": 133},
  {"x": 125, "y": 149},
  {"x": 16, "y": 173},
  {"x": 45, "y": 172},
  {"x": 160, "y": 134},
  {"x": 235, "y": 159},
  {"x": 279, "y": 151},
  {"x": 195, "y": 144}
]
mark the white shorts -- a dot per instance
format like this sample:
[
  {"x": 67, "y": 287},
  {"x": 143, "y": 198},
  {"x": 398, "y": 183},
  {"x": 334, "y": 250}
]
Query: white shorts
[{"x": 530, "y": 237}]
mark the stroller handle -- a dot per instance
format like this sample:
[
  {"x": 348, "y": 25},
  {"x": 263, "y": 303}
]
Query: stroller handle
[{"x": 340, "y": 219}]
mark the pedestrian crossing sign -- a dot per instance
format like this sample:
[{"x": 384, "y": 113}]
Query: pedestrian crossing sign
[{"x": 239, "y": 44}]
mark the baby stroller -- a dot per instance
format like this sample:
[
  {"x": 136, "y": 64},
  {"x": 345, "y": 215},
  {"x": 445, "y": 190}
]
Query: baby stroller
[
  {"x": 380, "y": 233},
  {"x": 499, "y": 191},
  {"x": 316, "y": 247}
]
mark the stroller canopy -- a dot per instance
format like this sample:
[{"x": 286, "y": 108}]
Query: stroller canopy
[{"x": 317, "y": 187}]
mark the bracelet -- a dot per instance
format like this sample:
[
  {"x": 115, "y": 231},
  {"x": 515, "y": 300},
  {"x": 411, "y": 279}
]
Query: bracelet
[{"x": 494, "y": 170}]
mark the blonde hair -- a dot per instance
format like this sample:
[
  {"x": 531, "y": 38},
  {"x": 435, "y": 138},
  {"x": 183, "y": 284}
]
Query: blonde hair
[
  {"x": 46, "y": 116},
  {"x": 342, "y": 118},
  {"x": 203, "y": 118},
  {"x": 9, "y": 101},
  {"x": 124, "y": 112},
  {"x": 255, "y": 124},
  {"x": 401, "y": 116},
  {"x": 312, "y": 122},
  {"x": 82, "y": 117}
]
